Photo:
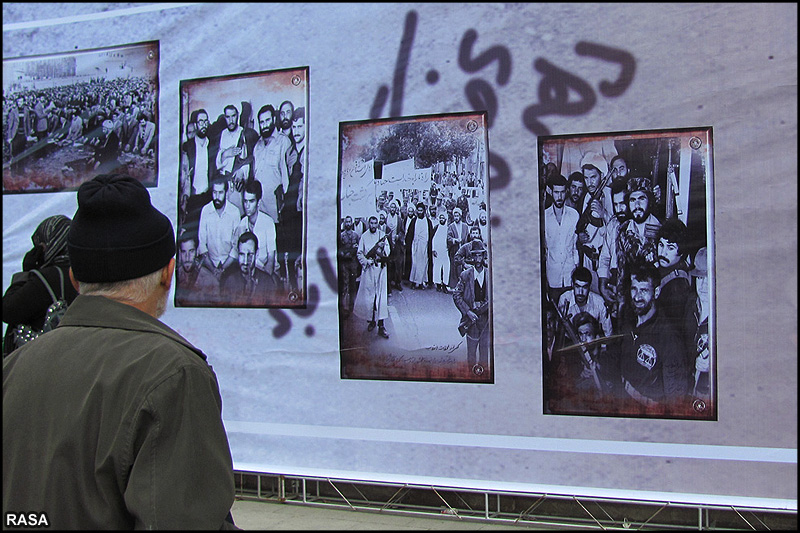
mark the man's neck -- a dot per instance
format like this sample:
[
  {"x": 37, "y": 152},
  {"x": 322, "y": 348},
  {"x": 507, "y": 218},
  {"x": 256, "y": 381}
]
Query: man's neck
[
  {"x": 666, "y": 270},
  {"x": 641, "y": 319},
  {"x": 252, "y": 218},
  {"x": 640, "y": 226},
  {"x": 558, "y": 212}
]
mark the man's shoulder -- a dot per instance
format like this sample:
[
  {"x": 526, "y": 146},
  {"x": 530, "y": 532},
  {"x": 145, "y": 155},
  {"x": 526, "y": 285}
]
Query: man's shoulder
[
  {"x": 279, "y": 138},
  {"x": 231, "y": 212},
  {"x": 263, "y": 221},
  {"x": 566, "y": 296},
  {"x": 243, "y": 224},
  {"x": 652, "y": 220},
  {"x": 467, "y": 275},
  {"x": 230, "y": 275},
  {"x": 113, "y": 324},
  {"x": 596, "y": 300},
  {"x": 679, "y": 275},
  {"x": 207, "y": 209},
  {"x": 264, "y": 278},
  {"x": 659, "y": 326}
]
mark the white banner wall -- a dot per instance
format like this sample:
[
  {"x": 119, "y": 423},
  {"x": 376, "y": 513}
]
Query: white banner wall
[{"x": 538, "y": 69}]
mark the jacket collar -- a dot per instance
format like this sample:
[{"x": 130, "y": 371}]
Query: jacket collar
[{"x": 102, "y": 312}]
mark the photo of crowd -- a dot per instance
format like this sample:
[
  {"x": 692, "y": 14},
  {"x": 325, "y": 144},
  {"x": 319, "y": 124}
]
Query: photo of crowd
[
  {"x": 69, "y": 117},
  {"x": 414, "y": 249},
  {"x": 241, "y": 186},
  {"x": 627, "y": 274}
]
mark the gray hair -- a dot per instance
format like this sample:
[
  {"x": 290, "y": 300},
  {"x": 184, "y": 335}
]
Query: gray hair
[{"x": 130, "y": 290}]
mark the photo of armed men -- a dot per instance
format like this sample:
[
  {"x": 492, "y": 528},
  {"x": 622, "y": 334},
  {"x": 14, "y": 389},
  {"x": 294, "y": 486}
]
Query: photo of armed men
[
  {"x": 414, "y": 259},
  {"x": 628, "y": 274}
]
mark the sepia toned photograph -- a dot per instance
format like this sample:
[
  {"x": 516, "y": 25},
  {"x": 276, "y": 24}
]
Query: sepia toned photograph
[
  {"x": 69, "y": 117},
  {"x": 413, "y": 254},
  {"x": 241, "y": 191},
  {"x": 628, "y": 274}
]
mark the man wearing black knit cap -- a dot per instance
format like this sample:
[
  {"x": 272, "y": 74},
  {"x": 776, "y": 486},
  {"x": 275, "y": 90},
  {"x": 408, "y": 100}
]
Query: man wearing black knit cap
[{"x": 113, "y": 420}]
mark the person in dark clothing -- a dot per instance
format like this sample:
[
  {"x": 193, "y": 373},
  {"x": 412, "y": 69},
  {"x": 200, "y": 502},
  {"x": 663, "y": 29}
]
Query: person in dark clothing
[
  {"x": 106, "y": 152},
  {"x": 675, "y": 289},
  {"x": 113, "y": 420},
  {"x": 290, "y": 230},
  {"x": 650, "y": 367},
  {"x": 26, "y": 300}
]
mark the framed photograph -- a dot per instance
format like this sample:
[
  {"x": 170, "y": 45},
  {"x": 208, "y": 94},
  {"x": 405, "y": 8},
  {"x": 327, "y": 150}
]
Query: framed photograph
[
  {"x": 414, "y": 260},
  {"x": 69, "y": 117},
  {"x": 627, "y": 254},
  {"x": 241, "y": 190}
]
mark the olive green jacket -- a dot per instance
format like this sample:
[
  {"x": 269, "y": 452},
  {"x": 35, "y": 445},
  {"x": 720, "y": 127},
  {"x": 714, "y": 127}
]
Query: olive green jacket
[{"x": 113, "y": 421}]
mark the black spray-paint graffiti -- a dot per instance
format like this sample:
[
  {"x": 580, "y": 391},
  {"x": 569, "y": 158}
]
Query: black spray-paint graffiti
[
  {"x": 284, "y": 323},
  {"x": 553, "y": 93},
  {"x": 553, "y": 90}
]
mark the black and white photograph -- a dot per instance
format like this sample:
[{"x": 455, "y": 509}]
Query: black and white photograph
[
  {"x": 71, "y": 116},
  {"x": 241, "y": 190},
  {"x": 627, "y": 274},
  {"x": 413, "y": 254}
]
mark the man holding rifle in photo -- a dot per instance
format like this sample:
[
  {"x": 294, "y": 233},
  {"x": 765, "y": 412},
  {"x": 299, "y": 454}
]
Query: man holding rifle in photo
[{"x": 372, "y": 299}]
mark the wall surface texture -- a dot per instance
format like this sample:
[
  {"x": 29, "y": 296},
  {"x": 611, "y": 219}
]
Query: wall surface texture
[{"x": 729, "y": 66}]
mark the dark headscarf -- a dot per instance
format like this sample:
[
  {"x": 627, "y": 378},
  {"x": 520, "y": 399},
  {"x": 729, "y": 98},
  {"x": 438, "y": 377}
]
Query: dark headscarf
[{"x": 51, "y": 238}]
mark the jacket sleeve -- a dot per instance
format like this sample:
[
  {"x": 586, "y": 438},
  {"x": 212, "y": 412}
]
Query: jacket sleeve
[
  {"x": 181, "y": 472},
  {"x": 458, "y": 294}
]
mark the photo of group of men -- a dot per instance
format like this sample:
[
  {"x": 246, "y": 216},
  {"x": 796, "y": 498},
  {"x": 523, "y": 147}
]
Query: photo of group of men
[
  {"x": 69, "y": 117},
  {"x": 413, "y": 251},
  {"x": 241, "y": 191},
  {"x": 626, "y": 267}
]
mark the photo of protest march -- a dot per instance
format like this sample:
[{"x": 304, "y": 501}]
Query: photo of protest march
[
  {"x": 414, "y": 259},
  {"x": 241, "y": 191},
  {"x": 627, "y": 274},
  {"x": 69, "y": 117}
]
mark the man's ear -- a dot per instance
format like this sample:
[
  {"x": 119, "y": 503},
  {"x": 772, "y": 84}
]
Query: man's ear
[
  {"x": 74, "y": 281},
  {"x": 167, "y": 273}
]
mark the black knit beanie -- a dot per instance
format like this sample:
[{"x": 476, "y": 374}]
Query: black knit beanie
[{"x": 116, "y": 233}]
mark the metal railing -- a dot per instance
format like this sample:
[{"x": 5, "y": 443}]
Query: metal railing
[{"x": 523, "y": 509}]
